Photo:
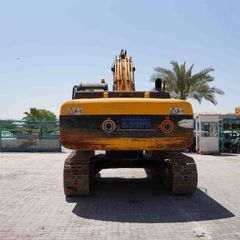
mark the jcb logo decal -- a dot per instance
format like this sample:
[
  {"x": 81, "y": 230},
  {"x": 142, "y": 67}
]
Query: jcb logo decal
[
  {"x": 176, "y": 111},
  {"x": 74, "y": 111}
]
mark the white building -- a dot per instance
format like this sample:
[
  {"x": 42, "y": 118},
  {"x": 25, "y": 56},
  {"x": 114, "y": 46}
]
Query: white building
[{"x": 206, "y": 132}]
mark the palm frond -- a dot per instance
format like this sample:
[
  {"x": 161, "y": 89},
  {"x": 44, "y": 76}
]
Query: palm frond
[
  {"x": 181, "y": 83},
  {"x": 203, "y": 76}
]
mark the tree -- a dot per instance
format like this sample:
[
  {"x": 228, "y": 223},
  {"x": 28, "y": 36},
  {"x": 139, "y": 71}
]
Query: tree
[
  {"x": 39, "y": 114},
  {"x": 182, "y": 84},
  {"x": 40, "y": 126}
]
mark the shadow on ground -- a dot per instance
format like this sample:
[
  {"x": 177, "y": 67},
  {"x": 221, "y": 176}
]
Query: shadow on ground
[{"x": 143, "y": 201}]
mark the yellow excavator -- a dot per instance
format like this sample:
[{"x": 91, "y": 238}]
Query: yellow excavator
[{"x": 135, "y": 129}]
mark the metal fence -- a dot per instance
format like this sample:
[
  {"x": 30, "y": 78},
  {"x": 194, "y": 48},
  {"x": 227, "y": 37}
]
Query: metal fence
[{"x": 29, "y": 136}]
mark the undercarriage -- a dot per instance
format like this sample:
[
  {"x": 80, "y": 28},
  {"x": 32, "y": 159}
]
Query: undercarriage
[{"x": 174, "y": 170}]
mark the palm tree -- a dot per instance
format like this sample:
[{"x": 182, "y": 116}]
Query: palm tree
[
  {"x": 182, "y": 84},
  {"x": 40, "y": 115},
  {"x": 32, "y": 115}
]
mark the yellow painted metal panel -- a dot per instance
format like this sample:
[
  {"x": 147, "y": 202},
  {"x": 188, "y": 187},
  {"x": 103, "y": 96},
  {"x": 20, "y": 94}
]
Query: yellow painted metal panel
[
  {"x": 237, "y": 111},
  {"x": 166, "y": 143},
  {"x": 126, "y": 106}
]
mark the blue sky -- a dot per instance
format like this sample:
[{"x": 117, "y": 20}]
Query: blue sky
[{"x": 46, "y": 47}]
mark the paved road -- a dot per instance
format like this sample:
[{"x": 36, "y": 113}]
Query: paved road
[{"x": 124, "y": 204}]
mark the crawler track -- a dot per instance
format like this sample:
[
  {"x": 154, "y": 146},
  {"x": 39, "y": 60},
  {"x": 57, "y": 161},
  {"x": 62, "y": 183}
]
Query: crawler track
[
  {"x": 177, "y": 171},
  {"x": 77, "y": 174}
]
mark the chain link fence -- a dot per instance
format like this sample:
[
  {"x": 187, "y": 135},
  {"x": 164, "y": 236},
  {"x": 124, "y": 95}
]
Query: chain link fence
[{"x": 29, "y": 136}]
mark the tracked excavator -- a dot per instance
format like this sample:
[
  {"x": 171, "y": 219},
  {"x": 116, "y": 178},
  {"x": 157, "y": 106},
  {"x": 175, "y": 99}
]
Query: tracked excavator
[{"x": 135, "y": 129}]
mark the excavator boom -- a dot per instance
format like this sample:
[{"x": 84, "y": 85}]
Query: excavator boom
[{"x": 123, "y": 73}]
